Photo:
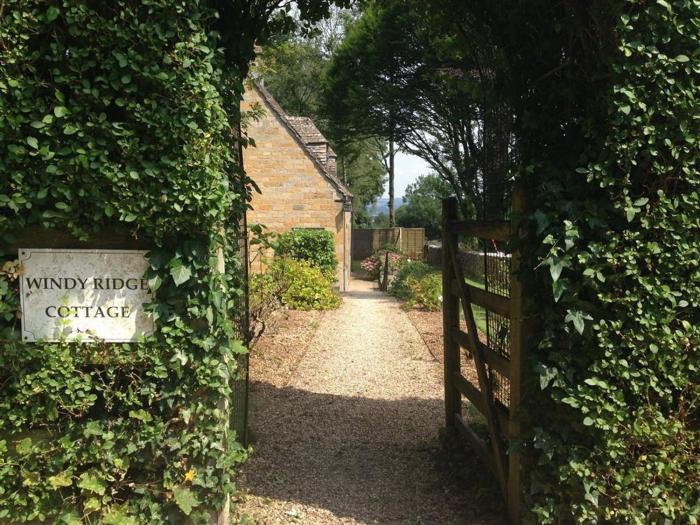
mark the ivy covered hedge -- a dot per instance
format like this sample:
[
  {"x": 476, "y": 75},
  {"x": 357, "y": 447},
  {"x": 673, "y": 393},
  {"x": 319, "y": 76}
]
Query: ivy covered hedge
[
  {"x": 119, "y": 114},
  {"x": 607, "y": 100}
]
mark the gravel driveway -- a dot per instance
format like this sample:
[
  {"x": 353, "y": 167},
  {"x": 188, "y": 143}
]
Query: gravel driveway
[{"x": 349, "y": 434}]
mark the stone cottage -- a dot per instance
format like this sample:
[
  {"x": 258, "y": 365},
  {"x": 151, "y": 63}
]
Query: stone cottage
[{"x": 295, "y": 169}]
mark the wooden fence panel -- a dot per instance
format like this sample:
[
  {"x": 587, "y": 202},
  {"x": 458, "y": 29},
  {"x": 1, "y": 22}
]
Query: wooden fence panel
[
  {"x": 410, "y": 241},
  {"x": 413, "y": 242}
]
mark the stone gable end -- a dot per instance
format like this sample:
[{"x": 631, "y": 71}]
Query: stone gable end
[{"x": 294, "y": 191}]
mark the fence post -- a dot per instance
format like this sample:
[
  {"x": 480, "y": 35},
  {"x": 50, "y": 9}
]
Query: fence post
[
  {"x": 450, "y": 315},
  {"x": 518, "y": 336}
]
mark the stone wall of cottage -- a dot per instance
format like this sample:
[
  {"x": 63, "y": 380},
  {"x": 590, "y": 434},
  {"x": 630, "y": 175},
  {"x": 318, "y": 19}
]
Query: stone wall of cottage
[{"x": 294, "y": 194}]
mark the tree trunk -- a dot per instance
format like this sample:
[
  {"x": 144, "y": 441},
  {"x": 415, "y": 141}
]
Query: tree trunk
[{"x": 392, "y": 214}]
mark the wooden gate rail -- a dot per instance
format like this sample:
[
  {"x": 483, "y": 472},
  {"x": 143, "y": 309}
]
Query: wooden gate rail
[{"x": 460, "y": 297}]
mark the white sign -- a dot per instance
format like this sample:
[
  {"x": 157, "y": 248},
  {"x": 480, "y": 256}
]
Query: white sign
[{"x": 84, "y": 294}]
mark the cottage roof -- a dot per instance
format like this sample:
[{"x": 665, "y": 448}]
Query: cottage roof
[
  {"x": 309, "y": 138},
  {"x": 308, "y": 130}
]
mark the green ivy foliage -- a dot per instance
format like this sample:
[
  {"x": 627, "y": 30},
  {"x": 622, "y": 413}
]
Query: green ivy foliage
[
  {"x": 121, "y": 114},
  {"x": 615, "y": 186},
  {"x": 314, "y": 245}
]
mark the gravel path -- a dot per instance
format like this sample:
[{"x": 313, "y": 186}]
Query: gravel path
[{"x": 351, "y": 435}]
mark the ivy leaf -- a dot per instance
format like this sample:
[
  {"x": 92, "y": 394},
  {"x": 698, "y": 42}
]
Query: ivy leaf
[
  {"x": 60, "y": 111},
  {"x": 71, "y": 519},
  {"x": 141, "y": 415},
  {"x": 180, "y": 274},
  {"x": 665, "y": 4},
  {"x": 62, "y": 479},
  {"x": 33, "y": 142},
  {"x": 155, "y": 282},
  {"x": 118, "y": 517},
  {"x": 52, "y": 13},
  {"x": 546, "y": 375},
  {"x": 24, "y": 447},
  {"x": 92, "y": 483},
  {"x": 577, "y": 318},
  {"x": 558, "y": 290},
  {"x": 185, "y": 499},
  {"x": 238, "y": 348},
  {"x": 682, "y": 58},
  {"x": 555, "y": 270}
]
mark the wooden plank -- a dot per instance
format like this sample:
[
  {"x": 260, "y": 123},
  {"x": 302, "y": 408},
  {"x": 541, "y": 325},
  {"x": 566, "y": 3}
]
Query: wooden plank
[
  {"x": 476, "y": 443},
  {"x": 489, "y": 300},
  {"x": 480, "y": 297},
  {"x": 476, "y": 398},
  {"x": 38, "y": 237},
  {"x": 450, "y": 322},
  {"x": 480, "y": 365},
  {"x": 493, "y": 359},
  {"x": 491, "y": 230}
]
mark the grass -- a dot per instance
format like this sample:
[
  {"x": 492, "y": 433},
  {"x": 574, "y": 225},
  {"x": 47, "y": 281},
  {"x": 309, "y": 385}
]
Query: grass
[{"x": 479, "y": 312}]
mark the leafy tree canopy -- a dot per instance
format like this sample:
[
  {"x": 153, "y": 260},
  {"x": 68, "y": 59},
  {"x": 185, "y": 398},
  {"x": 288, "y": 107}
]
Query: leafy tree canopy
[{"x": 422, "y": 205}]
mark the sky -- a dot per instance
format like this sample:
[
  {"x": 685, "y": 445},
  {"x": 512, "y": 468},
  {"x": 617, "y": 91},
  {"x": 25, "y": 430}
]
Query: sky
[{"x": 407, "y": 169}]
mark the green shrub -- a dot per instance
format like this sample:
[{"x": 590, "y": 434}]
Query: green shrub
[
  {"x": 315, "y": 246},
  {"x": 303, "y": 286},
  {"x": 419, "y": 284}
]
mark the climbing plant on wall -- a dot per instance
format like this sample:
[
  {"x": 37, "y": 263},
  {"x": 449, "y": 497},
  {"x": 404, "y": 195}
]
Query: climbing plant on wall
[{"x": 114, "y": 115}]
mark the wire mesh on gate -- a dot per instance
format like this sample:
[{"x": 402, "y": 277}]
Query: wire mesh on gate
[{"x": 497, "y": 272}]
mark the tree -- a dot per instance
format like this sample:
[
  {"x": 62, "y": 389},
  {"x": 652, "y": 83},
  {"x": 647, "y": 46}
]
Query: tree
[
  {"x": 426, "y": 91},
  {"x": 290, "y": 71},
  {"x": 422, "y": 206},
  {"x": 363, "y": 84}
]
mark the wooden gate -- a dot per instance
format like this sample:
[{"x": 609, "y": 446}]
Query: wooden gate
[{"x": 496, "y": 390}]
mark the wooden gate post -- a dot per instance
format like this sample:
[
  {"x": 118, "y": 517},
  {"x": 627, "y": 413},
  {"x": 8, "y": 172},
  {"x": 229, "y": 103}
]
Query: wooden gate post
[
  {"x": 450, "y": 316},
  {"x": 518, "y": 337}
]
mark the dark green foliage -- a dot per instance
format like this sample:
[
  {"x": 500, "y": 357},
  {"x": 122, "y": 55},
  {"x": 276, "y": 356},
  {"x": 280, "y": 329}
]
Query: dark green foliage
[
  {"x": 118, "y": 114},
  {"x": 422, "y": 205},
  {"x": 611, "y": 170},
  {"x": 381, "y": 220},
  {"x": 291, "y": 71},
  {"x": 314, "y": 245},
  {"x": 419, "y": 284},
  {"x": 412, "y": 87}
]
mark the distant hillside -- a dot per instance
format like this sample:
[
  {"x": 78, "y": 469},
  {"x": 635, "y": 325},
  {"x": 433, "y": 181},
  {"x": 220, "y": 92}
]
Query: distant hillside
[{"x": 382, "y": 206}]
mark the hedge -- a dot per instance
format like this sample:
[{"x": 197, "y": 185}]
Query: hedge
[
  {"x": 114, "y": 114},
  {"x": 307, "y": 244},
  {"x": 606, "y": 98}
]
